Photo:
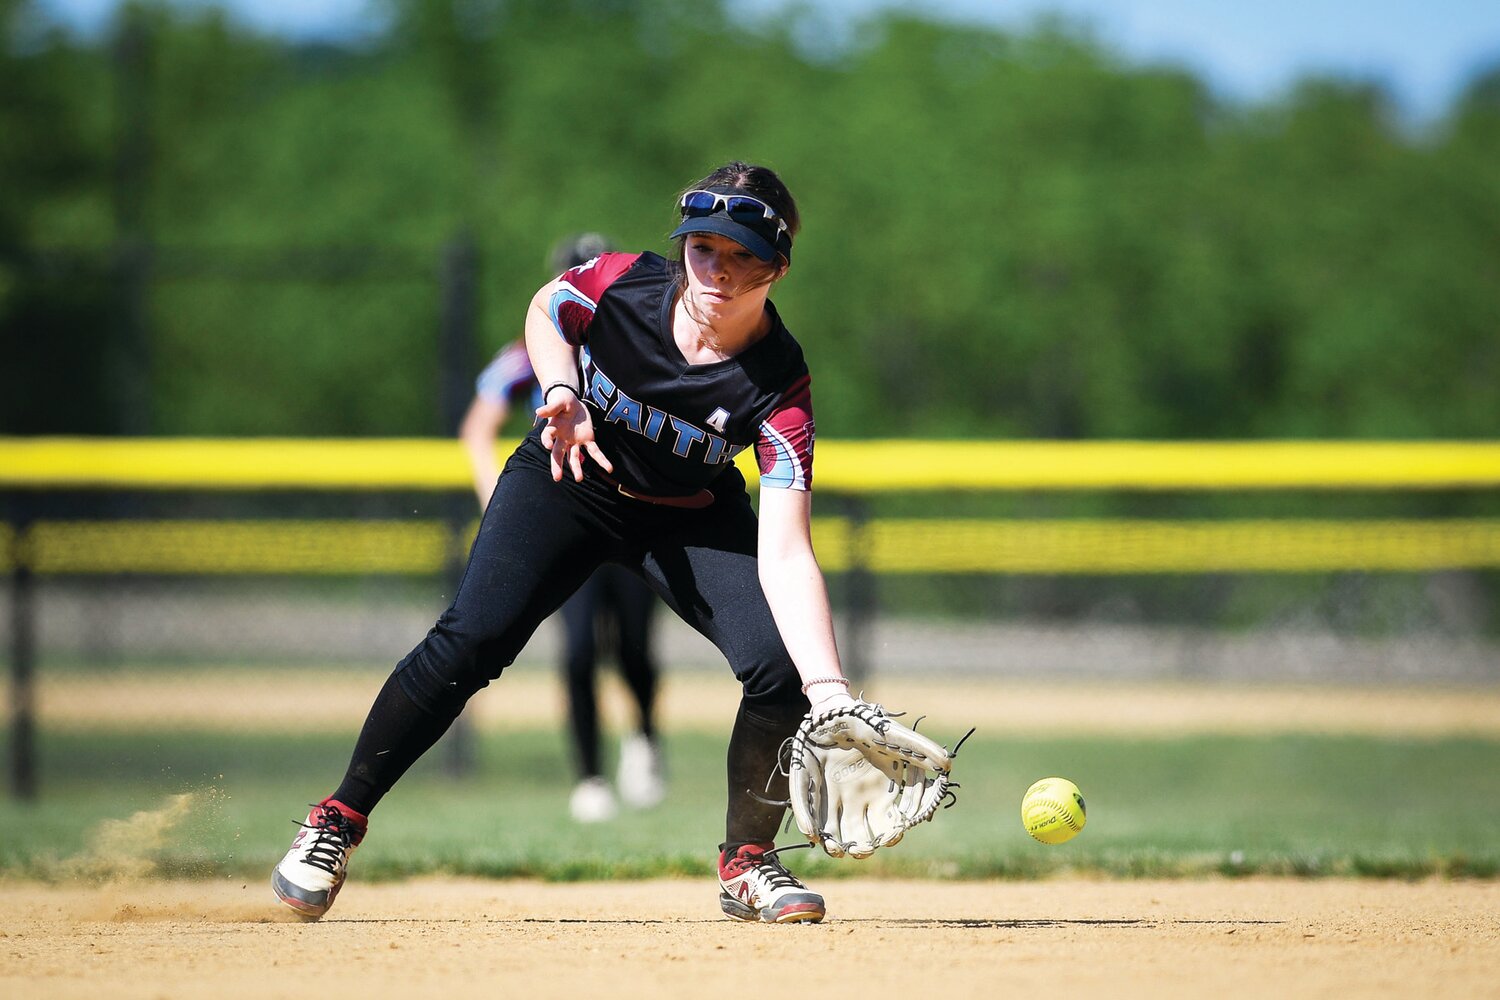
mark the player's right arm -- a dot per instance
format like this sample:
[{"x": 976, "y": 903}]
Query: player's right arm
[
  {"x": 554, "y": 357},
  {"x": 557, "y": 326}
]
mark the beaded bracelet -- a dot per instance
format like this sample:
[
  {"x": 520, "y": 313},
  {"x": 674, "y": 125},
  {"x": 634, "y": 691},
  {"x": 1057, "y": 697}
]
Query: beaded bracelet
[{"x": 825, "y": 680}]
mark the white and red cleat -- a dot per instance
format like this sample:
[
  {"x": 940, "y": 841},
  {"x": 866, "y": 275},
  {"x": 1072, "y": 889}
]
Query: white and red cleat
[
  {"x": 310, "y": 876},
  {"x": 753, "y": 885}
]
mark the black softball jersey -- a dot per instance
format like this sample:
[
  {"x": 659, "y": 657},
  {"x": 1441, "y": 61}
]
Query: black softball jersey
[{"x": 671, "y": 428}]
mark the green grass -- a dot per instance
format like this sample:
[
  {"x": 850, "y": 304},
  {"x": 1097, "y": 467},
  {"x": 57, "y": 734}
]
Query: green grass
[{"x": 1295, "y": 805}]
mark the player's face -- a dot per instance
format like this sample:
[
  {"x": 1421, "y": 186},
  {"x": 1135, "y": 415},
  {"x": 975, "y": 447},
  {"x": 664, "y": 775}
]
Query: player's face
[{"x": 724, "y": 278}]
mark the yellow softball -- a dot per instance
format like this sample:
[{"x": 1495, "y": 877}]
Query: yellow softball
[{"x": 1052, "y": 810}]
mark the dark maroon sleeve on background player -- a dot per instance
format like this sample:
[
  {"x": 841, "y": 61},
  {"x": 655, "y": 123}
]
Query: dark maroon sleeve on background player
[
  {"x": 784, "y": 449},
  {"x": 573, "y": 302}
]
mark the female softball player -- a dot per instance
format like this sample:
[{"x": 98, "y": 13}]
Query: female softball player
[
  {"x": 613, "y": 595},
  {"x": 655, "y": 373}
]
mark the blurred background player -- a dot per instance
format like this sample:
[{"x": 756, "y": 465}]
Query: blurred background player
[{"x": 612, "y": 610}]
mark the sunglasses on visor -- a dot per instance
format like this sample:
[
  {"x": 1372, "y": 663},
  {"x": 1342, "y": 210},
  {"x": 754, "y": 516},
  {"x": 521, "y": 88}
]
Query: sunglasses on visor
[{"x": 740, "y": 207}]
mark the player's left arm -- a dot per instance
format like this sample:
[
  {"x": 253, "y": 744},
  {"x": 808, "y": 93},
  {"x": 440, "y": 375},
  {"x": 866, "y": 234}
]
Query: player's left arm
[
  {"x": 789, "y": 572},
  {"x": 795, "y": 590}
]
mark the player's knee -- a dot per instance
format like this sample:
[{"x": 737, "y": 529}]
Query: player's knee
[
  {"x": 441, "y": 676},
  {"x": 773, "y": 683}
]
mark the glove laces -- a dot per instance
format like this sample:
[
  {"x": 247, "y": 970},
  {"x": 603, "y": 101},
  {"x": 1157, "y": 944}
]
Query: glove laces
[{"x": 792, "y": 749}]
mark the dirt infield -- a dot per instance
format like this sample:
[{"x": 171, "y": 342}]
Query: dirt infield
[
  {"x": 1067, "y": 938},
  {"x": 1064, "y": 938}
]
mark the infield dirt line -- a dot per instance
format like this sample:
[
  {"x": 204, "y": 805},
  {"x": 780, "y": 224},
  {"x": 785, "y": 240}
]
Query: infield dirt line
[{"x": 257, "y": 699}]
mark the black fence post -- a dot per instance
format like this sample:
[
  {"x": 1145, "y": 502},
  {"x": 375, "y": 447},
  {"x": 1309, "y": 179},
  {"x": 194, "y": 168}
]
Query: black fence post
[
  {"x": 130, "y": 365},
  {"x": 23, "y": 780},
  {"x": 862, "y": 595},
  {"x": 457, "y": 338}
]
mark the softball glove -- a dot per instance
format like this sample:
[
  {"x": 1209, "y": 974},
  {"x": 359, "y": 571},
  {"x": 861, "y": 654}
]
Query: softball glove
[{"x": 859, "y": 779}]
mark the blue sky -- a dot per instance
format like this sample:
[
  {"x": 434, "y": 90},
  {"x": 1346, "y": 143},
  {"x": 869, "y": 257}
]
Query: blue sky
[{"x": 1248, "y": 50}]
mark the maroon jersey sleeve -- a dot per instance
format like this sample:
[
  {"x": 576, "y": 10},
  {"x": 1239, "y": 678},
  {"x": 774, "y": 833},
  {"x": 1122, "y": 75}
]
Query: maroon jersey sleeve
[
  {"x": 577, "y": 294},
  {"x": 784, "y": 448}
]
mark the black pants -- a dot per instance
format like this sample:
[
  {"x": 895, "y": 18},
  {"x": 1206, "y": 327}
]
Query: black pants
[
  {"x": 537, "y": 544},
  {"x": 611, "y": 611}
]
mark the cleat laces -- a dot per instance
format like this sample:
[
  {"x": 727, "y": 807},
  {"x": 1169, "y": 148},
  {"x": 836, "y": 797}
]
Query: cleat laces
[
  {"x": 770, "y": 868},
  {"x": 335, "y": 835}
]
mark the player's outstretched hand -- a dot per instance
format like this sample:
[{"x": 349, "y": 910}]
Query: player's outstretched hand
[{"x": 569, "y": 432}]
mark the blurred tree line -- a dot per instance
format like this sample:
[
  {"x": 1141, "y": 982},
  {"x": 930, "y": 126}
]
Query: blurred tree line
[{"x": 208, "y": 231}]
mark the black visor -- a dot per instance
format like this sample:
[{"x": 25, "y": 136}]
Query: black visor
[{"x": 747, "y": 220}]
